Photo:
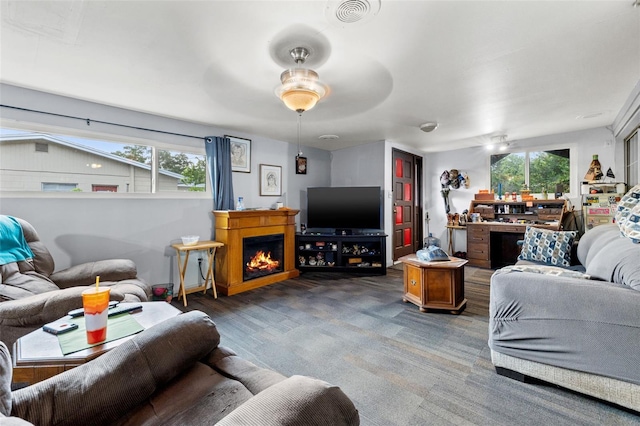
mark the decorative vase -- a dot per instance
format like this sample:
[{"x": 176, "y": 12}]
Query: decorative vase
[{"x": 595, "y": 170}]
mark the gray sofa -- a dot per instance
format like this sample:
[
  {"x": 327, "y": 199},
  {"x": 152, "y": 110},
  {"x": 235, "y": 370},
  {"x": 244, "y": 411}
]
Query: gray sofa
[
  {"x": 174, "y": 373},
  {"x": 581, "y": 332},
  {"x": 32, "y": 294}
]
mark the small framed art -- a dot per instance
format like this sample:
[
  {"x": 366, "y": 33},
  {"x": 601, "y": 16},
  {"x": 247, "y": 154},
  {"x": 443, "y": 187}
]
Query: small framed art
[
  {"x": 240, "y": 154},
  {"x": 301, "y": 165},
  {"x": 270, "y": 180}
]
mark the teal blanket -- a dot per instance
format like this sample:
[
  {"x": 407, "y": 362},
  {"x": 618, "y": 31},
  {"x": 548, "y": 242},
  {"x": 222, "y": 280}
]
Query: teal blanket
[{"x": 13, "y": 246}]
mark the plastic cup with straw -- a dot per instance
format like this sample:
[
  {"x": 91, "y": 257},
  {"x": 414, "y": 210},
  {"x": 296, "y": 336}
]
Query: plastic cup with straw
[{"x": 95, "y": 302}]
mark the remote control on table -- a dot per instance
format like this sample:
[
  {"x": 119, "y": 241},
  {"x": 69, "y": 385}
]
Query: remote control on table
[
  {"x": 124, "y": 309},
  {"x": 80, "y": 311}
]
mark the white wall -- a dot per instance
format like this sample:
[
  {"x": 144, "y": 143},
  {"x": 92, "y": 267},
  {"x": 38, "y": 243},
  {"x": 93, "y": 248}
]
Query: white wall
[
  {"x": 364, "y": 165},
  {"x": 141, "y": 228},
  {"x": 318, "y": 174},
  {"x": 475, "y": 162},
  {"x": 370, "y": 165},
  {"x": 359, "y": 165}
]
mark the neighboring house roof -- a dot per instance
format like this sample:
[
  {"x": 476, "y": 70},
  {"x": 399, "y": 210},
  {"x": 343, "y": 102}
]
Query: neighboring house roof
[{"x": 80, "y": 147}]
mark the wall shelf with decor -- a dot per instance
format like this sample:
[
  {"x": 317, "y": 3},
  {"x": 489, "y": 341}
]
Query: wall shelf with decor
[{"x": 341, "y": 253}]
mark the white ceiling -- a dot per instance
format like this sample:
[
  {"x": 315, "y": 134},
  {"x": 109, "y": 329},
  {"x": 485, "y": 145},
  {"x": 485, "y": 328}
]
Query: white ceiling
[{"x": 478, "y": 68}]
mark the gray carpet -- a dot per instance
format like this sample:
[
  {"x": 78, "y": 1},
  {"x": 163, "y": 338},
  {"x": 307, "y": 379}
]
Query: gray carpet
[
  {"x": 478, "y": 275},
  {"x": 398, "y": 365}
]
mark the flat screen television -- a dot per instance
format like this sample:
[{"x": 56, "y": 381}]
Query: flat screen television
[{"x": 352, "y": 209}]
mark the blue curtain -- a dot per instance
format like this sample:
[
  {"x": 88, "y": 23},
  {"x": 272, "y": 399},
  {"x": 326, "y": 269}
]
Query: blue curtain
[{"x": 218, "y": 151}]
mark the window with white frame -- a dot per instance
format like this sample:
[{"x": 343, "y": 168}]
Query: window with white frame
[
  {"x": 35, "y": 161},
  {"x": 59, "y": 187},
  {"x": 632, "y": 159},
  {"x": 540, "y": 171}
]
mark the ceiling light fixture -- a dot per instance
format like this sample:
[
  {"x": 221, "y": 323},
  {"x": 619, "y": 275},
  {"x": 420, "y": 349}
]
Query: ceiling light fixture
[
  {"x": 428, "y": 126},
  {"x": 301, "y": 88},
  {"x": 499, "y": 142},
  {"x": 328, "y": 137}
]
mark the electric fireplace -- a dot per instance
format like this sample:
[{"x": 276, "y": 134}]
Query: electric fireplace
[
  {"x": 259, "y": 248},
  {"x": 262, "y": 256}
]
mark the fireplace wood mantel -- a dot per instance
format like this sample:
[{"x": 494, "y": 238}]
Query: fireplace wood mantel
[{"x": 232, "y": 226}]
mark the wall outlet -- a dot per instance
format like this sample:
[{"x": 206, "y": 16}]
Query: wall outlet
[{"x": 193, "y": 276}]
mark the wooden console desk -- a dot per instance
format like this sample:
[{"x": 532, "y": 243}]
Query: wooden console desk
[
  {"x": 485, "y": 238},
  {"x": 493, "y": 242}
]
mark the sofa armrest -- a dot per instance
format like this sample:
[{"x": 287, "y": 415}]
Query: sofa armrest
[
  {"x": 105, "y": 389},
  {"x": 570, "y": 323},
  {"x": 297, "y": 400},
  {"x": 85, "y": 274},
  {"x": 528, "y": 294},
  {"x": 252, "y": 377}
]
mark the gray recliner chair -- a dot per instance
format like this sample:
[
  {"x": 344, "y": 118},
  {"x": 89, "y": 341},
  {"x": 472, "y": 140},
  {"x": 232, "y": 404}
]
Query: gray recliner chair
[
  {"x": 174, "y": 373},
  {"x": 32, "y": 294}
]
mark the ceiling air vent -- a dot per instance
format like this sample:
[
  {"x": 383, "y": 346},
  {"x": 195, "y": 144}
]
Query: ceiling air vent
[
  {"x": 351, "y": 11},
  {"x": 42, "y": 147}
]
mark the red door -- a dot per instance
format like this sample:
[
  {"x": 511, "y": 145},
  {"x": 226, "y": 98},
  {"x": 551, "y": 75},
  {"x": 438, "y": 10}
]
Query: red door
[
  {"x": 407, "y": 214},
  {"x": 104, "y": 188}
]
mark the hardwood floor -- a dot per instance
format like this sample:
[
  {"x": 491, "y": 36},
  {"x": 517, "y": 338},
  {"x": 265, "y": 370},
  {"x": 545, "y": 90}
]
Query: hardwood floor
[{"x": 398, "y": 365}]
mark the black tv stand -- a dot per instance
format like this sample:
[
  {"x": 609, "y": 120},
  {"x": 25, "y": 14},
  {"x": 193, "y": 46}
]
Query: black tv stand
[{"x": 342, "y": 253}]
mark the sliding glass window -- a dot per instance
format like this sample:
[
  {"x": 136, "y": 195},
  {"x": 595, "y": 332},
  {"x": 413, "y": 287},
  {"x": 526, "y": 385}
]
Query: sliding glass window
[
  {"x": 632, "y": 159},
  {"x": 34, "y": 161}
]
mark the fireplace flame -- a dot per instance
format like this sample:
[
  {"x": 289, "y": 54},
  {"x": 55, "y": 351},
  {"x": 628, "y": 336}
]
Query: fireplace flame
[{"x": 262, "y": 262}]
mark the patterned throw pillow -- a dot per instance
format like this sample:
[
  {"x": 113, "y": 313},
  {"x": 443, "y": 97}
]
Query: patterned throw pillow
[
  {"x": 630, "y": 228},
  {"x": 629, "y": 201},
  {"x": 628, "y": 214},
  {"x": 551, "y": 247}
]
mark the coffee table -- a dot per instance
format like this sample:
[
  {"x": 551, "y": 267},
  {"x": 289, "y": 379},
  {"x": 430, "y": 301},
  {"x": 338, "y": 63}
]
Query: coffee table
[
  {"x": 437, "y": 285},
  {"x": 37, "y": 355}
]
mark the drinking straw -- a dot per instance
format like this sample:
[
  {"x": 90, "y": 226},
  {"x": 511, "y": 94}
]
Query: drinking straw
[{"x": 97, "y": 282}]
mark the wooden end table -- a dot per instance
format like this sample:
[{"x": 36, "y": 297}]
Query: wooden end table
[
  {"x": 451, "y": 229},
  {"x": 435, "y": 285},
  {"x": 37, "y": 355},
  {"x": 210, "y": 247}
]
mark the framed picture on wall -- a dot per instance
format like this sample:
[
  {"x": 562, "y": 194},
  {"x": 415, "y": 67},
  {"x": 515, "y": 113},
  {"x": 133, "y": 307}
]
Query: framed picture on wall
[
  {"x": 301, "y": 165},
  {"x": 270, "y": 180},
  {"x": 240, "y": 154}
]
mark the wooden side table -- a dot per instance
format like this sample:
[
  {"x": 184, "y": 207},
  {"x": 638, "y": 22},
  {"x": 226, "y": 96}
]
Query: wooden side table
[
  {"x": 434, "y": 285},
  {"x": 451, "y": 229},
  {"x": 210, "y": 247}
]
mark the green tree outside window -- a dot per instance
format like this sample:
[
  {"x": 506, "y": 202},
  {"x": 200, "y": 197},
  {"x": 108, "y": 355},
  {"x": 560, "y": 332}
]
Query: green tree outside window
[{"x": 546, "y": 169}]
